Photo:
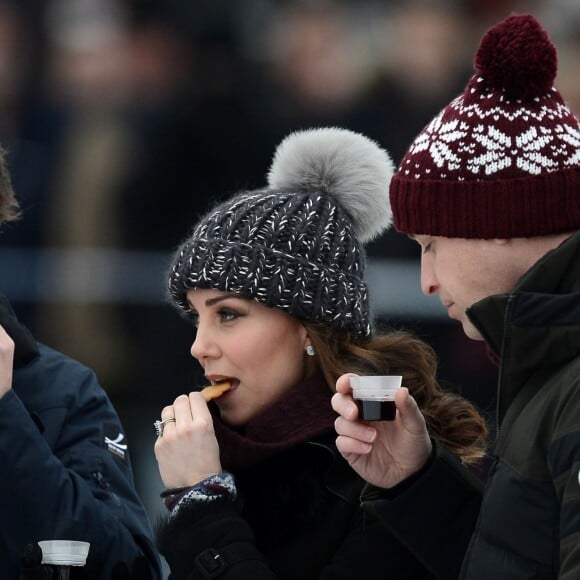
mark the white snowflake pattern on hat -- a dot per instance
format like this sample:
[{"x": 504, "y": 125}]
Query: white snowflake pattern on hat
[
  {"x": 461, "y": 144},
  {"x": 502, "y": 159}
]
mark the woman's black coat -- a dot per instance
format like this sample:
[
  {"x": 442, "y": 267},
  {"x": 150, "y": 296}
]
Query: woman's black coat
[{"x": 297, "y": 517}]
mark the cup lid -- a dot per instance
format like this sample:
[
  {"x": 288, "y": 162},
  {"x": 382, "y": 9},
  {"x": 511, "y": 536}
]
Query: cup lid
[
  {"x": 64, "y": 552},
  {"x": 383, "y": 383}
]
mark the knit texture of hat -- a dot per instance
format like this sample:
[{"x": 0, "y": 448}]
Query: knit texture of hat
[
  {"x": 502, "y": 160},
  {"x": 297, "y": 244}
]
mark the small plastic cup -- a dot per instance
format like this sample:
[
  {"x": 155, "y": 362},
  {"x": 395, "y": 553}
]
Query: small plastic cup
[
  {"x": 63, "y": 554},
  {"x": 375, "y": 396}
]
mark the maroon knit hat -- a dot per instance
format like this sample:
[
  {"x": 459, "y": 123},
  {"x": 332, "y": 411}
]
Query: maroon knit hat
[{"x": 502, "y": 160}]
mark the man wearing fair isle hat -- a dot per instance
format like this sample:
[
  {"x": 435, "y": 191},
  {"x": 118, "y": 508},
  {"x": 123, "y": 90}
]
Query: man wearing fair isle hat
[{"x": 490, "y": 190}]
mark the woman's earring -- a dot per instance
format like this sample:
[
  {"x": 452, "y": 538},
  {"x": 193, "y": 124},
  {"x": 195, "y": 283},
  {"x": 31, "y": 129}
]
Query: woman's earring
[{"x": 310, "y": 350}]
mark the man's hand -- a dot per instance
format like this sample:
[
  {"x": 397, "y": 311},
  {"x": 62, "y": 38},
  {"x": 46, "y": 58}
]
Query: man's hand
[
  {"x": 6, "y": 362},
  {"x": 384, "y": 453}
]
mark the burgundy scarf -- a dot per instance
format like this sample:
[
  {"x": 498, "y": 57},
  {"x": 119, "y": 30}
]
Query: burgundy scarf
[{"x": 300, "y": 415}]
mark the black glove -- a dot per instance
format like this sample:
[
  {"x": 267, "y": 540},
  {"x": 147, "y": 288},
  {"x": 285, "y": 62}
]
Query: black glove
[{"x": 32, "y": 569}]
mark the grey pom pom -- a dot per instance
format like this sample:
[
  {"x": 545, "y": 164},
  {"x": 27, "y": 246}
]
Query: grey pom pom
[{"x": 347, "y": 165}]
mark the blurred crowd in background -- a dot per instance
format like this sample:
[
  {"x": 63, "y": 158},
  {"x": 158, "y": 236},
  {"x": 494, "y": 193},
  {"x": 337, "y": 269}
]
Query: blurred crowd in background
[{"x": 125, "y": 119}]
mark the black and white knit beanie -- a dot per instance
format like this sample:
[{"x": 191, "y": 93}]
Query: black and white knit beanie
[{"x": 297, "y": 244}]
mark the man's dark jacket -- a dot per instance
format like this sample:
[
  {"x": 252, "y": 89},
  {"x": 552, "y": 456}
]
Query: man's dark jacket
[
  {"x": 528, "y": 526},
  {"x": 65, "y": 464}
]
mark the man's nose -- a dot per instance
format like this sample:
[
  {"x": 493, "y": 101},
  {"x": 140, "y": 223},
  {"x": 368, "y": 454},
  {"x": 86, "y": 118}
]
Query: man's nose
[{"x": 429, "y": 283}]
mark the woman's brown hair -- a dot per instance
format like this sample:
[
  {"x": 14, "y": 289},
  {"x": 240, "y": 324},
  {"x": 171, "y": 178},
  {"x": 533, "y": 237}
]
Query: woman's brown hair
[{"x": 450, "y": 418}]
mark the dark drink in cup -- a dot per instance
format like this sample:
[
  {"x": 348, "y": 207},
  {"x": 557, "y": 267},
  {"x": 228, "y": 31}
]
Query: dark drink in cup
[
  {"x": 372, "y": 410},
  {"x": 375, "y": 396}
]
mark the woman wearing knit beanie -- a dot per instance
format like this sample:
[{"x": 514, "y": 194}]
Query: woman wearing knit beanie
[
  {"x": 490, "y": 189},
  {"x": 273, "y": 280}
]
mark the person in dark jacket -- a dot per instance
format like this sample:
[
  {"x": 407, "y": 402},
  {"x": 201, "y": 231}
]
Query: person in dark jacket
[
  {"x": 65, "y": 460},
  {"x": 273, "y": 280},
  {"x": 490, "y": 189}
]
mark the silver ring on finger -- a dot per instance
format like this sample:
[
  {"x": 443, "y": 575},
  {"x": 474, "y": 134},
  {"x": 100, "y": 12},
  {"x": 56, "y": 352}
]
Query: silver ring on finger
[{"x": 159, "y": 425}]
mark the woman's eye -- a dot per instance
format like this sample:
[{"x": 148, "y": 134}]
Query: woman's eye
[{"x": 228, "y": 315}]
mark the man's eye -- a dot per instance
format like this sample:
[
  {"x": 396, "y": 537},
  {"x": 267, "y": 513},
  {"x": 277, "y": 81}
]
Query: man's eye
[{"x": 426, "y": 248}]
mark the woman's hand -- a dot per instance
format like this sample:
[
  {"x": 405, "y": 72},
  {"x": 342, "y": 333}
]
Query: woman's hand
[
  {"x": 187, "y": 452},
  {"x": 6, "y": 362},
  {"x": 384, "y": 453}
]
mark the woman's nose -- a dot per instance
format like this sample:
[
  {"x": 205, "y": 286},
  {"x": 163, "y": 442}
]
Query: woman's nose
[{"x": 204, "y": 345}]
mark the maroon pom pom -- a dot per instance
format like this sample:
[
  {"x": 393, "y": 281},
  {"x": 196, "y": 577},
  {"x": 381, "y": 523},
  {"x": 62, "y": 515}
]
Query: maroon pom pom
[{"x": 517, "y": 56}]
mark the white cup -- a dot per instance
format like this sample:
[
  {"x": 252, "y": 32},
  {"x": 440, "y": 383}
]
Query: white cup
[{"x": 64, "y": 552}]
